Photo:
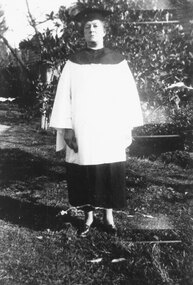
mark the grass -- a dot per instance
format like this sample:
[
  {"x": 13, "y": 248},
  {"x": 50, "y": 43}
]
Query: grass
[{"x": 38, "y": 245}]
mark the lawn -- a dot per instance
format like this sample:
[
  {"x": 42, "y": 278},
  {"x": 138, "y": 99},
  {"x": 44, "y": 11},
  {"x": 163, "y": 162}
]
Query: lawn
[{"x": 39, "y": 242}]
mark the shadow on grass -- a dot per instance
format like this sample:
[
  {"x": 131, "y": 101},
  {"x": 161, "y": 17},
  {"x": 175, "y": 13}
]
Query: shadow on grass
[
  {"x": 18, "y": 165},
  {"x": 37, "y": 217}
]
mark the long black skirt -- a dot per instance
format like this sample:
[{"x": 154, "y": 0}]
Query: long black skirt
[{"x": 97, "y": 185}]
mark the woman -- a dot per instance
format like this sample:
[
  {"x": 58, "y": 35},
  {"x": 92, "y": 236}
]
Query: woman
[{"x": 96, "y": 106}]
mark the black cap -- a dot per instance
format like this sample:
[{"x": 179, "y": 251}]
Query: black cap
[{"x": 89, "y": 14}]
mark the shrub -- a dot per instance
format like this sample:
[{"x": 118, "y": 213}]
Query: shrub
[
  {"x": 183, "y": 117},
  {"x": 181, "y": 158},
  {"x": 156, "y": 129}
]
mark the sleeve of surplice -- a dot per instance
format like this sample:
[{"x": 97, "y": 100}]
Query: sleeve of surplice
[
  {"x": 132, "y": 105},
  {"x": 134, "y": 110},
  {"x": 61, "y": 116}
]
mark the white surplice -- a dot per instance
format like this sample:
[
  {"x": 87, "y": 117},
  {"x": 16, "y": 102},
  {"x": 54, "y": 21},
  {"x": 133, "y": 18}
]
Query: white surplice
[{"x": 100, "y": 103}]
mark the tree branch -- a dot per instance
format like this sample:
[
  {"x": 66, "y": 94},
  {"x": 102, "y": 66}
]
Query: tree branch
[
  {"x": 13, "y": 52},
  {"x": 33, "y": 23}
]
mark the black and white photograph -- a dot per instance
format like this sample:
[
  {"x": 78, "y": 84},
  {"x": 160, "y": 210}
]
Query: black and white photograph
[{"x": 96, "y": 142}]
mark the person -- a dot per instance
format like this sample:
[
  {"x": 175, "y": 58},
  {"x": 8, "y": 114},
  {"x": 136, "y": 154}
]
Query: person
[{"x": 95, "y": 108}]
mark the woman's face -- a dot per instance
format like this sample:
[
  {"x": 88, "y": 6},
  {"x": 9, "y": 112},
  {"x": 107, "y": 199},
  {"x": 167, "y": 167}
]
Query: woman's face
[{"x": 94, "y": 31}]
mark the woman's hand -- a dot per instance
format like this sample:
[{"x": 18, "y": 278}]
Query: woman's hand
[{"x": 70, "y": 139}]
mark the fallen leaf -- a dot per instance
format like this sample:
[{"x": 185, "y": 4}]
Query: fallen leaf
[
  {"x": 62, "y": 213},
  {"x": 40, "y": 237},
  {"x": 19, "y": 193},
  {"x": 148, "y": 216},
  {"x": 95, "y": 260},
  {"x": 116, "y": 260}
]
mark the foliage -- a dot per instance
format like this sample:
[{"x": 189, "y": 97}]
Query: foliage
[
  {"x": 4, "y": 56},
  {"x": 10, "y": 82},
  {"x": 44, "y": 93},
  {"x": 181, "y": 158},
  {"x": 183, "y": 117},
  {"x": 156, "y": 129},
  {"x": 3, "y": 27}
]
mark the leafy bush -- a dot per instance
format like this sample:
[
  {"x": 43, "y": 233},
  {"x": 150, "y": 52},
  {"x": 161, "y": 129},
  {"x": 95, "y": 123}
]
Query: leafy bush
[
  {"x": 181, "y": 158},
  {"x": 10, "y": 83},
  {"x": 156, "y": 129},
  {"x": 183, "y": 117},
  {"x": 45, "y": 95}
]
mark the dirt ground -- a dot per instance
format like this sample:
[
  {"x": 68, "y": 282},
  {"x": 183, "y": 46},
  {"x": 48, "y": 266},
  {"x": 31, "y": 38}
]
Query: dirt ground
[{"x": 38, "y": 236}]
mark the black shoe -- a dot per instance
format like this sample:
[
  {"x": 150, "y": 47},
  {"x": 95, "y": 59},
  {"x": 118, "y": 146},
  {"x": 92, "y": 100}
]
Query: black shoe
[
  {"x": 84, "y": 231},
  {"x": 111, "y": 229}
]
